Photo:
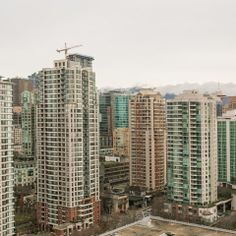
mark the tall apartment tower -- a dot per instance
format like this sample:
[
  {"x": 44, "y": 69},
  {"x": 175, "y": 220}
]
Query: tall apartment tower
[
  {"x": 7, "y": 227},
  {"x": 227, "y": 147},
  {"x": 68, "y": 146},
  {"x": 147, "y": 140},
  {"x": 192, "y": 149}
]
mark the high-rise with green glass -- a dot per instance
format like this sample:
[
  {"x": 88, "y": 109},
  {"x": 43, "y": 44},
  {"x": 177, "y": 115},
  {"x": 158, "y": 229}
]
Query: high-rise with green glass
[
  {"x": 120, "y": 110},
  {"x": 227, "y": 148},
  {"x": 192, "y": 149},
  {"x": 114, "y": 114}
]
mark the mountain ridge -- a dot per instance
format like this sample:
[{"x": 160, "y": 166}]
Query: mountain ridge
[{"x": 208, "y": 87}]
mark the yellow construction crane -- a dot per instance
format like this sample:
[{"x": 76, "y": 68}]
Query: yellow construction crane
[{"x": 68, "y": 48}]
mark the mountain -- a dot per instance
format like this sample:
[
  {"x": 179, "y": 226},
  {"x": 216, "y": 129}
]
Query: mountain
[{"x": 209, "y": 87}]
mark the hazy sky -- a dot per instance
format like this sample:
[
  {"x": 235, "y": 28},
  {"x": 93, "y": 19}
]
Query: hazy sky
[{"x": 134, "y": 42}]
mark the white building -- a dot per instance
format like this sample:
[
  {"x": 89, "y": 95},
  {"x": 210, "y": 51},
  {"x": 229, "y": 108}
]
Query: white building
[
  {"x": 68, "y": 146},
  {"x": 7, "y": 227},
  {"x": 192, "y": 149}
]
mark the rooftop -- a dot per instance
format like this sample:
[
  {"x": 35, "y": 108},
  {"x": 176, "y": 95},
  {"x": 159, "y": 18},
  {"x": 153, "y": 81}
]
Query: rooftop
[
  {"x": 158, "y": 227},
  {"x": 70, "y": 56}
]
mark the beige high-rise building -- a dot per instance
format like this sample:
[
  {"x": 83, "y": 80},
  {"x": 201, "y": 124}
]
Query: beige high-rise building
[
  {"x": 68, "y": 146},
  {"x": 147, "y": 140}
]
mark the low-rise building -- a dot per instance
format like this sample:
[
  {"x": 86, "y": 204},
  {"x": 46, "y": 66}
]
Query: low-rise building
[
  {"x": 194, "y": 213},
  {"x": 115, "y": 203},
  {"x": 116, "y": 173}
]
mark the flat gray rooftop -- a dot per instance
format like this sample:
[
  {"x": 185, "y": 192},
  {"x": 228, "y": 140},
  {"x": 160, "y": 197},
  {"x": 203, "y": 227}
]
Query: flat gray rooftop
[{"x": 156, "y": 227}]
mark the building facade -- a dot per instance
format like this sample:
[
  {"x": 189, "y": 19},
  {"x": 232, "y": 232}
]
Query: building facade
[
  {"x": 147, "y": 140},
  {"x": 114, "y": 114},
  {"x": 192, "y": 149},
  {"x": 17, "y": 131},
  {"x": 68, "y": 146},
  {"x": 25, "y": 172},
  {"x": 121, "y": 142},
  {"x": 7, "y": 225},
  {"x": 227, "y": 148},
  {"x": 105, "y": 120},
  {"x": 20, "y": 85},
  {"x": 28, "y": 123},
  {"x": 230, "y": 103},
  {"x": 116, "y": 173},
  {"x": 120, "y": 110}
]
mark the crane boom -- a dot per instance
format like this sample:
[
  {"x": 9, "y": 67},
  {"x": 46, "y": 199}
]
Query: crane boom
[{"x": 65, "y": 49}]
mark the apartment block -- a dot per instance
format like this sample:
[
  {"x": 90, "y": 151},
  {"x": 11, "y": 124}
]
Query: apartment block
[
  {"x": 7, "y": 224},
  {"x": 227, "y": 147},
  {"x": 147, "y": 124},
  {"x": 192, "y": 149},
  {"x": 68, "y": 146}
]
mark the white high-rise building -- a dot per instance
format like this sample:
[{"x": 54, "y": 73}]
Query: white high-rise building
[
  {"x": 68, "y": 146},
  {"x": 7, "y": 227},
  {"x": 192, "y": 149}
]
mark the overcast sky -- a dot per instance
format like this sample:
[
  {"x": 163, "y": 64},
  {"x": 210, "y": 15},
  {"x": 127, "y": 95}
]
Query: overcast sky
[{"x": 134, "y": 42}]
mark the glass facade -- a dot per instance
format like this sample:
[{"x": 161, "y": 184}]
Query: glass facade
[
  {"x": 114, "y": 113},
  {"x": 120, "y": 110}
]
